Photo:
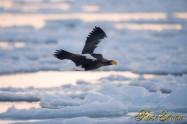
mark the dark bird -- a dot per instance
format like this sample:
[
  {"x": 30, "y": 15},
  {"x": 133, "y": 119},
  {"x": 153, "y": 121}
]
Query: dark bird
[{"x": 96, "y": 61}]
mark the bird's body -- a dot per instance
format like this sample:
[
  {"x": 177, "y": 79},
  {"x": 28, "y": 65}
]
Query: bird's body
[{"x": 88, "y": 63}]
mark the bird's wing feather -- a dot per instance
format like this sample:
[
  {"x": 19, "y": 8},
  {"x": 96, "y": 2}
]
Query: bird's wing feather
[
  {"x": 77, "y": 59},
  {"x": 93, "y": 39}
]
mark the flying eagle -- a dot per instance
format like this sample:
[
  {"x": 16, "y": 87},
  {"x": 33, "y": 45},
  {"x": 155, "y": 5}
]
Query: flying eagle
[{"x": 96, "y": 61}]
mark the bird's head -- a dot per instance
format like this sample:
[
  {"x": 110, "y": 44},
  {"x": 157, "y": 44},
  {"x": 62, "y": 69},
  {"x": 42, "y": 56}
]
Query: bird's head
[{"x": 112, "y": 62}]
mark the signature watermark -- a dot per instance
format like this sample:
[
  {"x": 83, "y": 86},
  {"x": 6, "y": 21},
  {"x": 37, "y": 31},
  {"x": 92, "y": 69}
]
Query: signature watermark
[{"x": 163, "y": 116}]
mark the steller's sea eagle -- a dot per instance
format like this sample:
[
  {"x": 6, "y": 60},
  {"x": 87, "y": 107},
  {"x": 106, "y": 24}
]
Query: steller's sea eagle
[{"x": 96, "y": 61}]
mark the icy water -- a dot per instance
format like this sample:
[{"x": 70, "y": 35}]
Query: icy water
[
  {"x": 54, "y": 78},
  {"x": 54, "y": 85},
  {"x": 146, "y": 38},
  {"x": 20, "y": 105},
  {"x": 48, "y": 80}
]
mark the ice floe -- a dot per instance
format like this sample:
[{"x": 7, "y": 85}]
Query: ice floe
[
  {"x": 18, "y": 97},
  {"x": 176, "y": 101}
]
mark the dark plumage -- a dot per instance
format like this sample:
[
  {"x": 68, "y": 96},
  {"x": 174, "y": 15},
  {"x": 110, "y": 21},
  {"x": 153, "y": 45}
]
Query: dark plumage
[
  {"x": 93, "y": 39},
  {"x": 91, "y": 43}
]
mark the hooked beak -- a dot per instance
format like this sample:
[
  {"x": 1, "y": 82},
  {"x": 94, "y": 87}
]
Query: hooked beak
[{"x": 113, "y": 62}]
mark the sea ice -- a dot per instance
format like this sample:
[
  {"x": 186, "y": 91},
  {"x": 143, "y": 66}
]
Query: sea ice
[
  {"x": 18, "y": 97},
  {"x": 176, "y": 101}
]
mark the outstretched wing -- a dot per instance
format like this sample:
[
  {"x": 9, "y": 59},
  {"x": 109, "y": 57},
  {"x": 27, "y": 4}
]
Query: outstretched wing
[
  {"x": 77, "y": 59},
  {"x": 93, "y": 39}
]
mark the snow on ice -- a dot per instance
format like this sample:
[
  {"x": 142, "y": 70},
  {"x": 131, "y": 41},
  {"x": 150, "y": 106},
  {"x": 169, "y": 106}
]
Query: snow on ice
[
  {"x": 143, "y": 36},
  {"x": 176, "y": 101},
  {"x": 103, "y": 99}
]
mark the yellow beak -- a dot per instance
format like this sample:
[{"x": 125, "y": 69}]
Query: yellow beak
[{"x": 113, "y": 62}]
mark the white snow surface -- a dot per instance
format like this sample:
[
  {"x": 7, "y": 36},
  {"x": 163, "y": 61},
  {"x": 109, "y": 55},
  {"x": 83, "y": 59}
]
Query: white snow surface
[
  {"x": 176, "y": 101},
  {"x": 94, "y": 109}
]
